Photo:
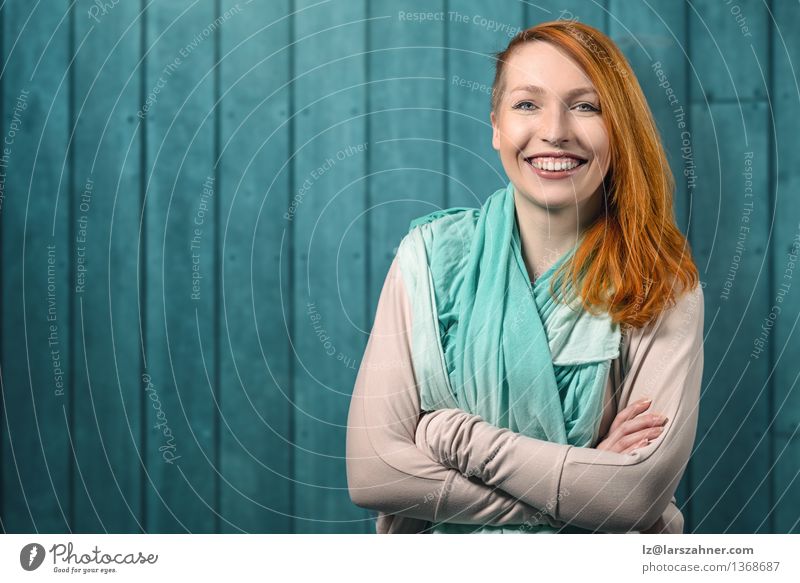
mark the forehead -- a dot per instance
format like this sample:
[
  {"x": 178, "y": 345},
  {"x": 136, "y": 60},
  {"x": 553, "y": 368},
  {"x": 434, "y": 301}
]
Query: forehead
[{"x": 544, "y": 65}]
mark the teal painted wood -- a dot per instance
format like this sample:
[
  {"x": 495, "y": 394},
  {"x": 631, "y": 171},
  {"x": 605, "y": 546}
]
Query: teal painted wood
[
  {"x": 181, "y": 311},
  {"x": 254, "y": 190},
  {"x": 783, "y": 348},
  {"x": 473, "y": 166},
  {"x": 729, "y": 47},
  {"x": 329, "y": 266},
  {"x": 731, "y": 456},
  {"x": 105, "y": 203},
  {"x": 594, "y": 13},
  {"x": 653, "y": 38},
  {"x": 35, "y": 458},
  {"x": 406, "y": 65}
]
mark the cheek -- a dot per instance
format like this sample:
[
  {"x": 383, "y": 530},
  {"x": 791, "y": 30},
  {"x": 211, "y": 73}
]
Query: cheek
[
  {"x": 513, "y": 137},
  {"x": 597, "y": 142}
]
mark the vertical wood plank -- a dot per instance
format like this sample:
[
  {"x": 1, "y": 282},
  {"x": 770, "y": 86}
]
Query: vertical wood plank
[
  {"x": 180, "y": 267},
  {"x": 724, "y": 38},
  {"x": 36, "y": 268},
  {"x": 105, "y": 204},
  {"x": 734, "y": 406},
  {"x": 3, "y": 169},
  {"x": 730, "y": 147},
  {"x": 254, "y": 187},
  {"x": 475, "y": 31},
  {"x": 328, "y": 238},
  {"x": 785, "y": 284},
  {"x": 405, "y": 97}
]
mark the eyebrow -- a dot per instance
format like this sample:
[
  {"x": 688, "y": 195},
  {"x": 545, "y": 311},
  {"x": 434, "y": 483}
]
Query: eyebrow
[{"x": 538, "y": 90}]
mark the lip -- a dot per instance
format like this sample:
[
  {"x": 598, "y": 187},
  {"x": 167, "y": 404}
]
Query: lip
[
  {"x": 555, "y": 154},
  {"x": 556, "y": 174}
]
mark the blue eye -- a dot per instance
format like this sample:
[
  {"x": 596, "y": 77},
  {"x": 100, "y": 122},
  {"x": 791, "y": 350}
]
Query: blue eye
[
  {"x": 591, "y": 108},
  {"x": 582, "y": 107},
  {"x": 521, "y": 103}
]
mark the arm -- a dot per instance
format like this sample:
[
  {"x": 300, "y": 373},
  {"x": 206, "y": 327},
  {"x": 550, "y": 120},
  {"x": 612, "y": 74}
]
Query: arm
[
  {"x": 593, "y": 488},
  {"x": 385, "y": 469},
  {"x": 670, "y": 522}
]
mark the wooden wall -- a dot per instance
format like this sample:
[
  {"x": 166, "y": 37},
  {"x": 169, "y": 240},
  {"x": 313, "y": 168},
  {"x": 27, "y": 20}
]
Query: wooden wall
[{"x": 201, "y": 199}]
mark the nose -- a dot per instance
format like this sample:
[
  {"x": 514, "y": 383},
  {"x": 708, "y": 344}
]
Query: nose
[{"x": 554, "y": 125}]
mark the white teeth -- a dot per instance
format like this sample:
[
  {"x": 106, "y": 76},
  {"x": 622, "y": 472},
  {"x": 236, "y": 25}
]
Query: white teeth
[{"x": 554, "y": 164}]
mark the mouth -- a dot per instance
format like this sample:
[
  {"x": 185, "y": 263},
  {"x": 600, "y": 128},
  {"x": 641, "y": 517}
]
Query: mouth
[{"x": 555, "y": 167}]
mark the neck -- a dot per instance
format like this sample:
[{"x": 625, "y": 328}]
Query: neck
[{"x": 546, "y": 233}]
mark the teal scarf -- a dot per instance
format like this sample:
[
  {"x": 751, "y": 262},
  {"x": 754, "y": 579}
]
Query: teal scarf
[{"x": 487, "y": 341}]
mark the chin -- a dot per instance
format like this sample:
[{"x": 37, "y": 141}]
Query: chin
[{"x": 551, "y": 197}]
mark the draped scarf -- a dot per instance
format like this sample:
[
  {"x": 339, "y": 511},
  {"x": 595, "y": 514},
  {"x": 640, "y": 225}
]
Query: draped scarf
[{"x": 489, "y": 342}]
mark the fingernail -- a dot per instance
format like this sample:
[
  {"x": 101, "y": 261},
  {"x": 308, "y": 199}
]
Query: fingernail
[{"x": 646, "y": 400}]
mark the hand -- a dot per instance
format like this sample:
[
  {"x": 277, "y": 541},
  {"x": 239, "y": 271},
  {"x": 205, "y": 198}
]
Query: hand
[{"x": 632, "y": 428}]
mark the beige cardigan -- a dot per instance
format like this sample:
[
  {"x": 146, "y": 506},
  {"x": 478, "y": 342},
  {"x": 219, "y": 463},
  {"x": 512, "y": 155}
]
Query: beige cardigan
[{"x": 392, "y": 458}]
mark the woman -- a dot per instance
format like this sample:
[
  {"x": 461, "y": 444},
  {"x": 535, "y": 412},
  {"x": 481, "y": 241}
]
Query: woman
[{"x": 504, "y": 385}]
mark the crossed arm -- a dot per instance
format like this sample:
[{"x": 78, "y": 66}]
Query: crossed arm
[
  {"x": 402, "y": 465},
  {"x": 385, "y": 469}
]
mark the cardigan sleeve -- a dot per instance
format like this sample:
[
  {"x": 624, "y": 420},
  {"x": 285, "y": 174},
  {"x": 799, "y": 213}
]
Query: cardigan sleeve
[
  {"x": 596, "y": 489},
  {"x": 385, "y": 469}
]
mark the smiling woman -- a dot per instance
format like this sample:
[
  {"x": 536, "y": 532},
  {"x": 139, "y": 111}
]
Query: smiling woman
[
  {"x": 547, "y": 347},
  {"x": 552, "y": 140}
]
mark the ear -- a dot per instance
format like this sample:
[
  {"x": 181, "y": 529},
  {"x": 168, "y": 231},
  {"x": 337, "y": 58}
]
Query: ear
[{"x": 495, "y": 132}]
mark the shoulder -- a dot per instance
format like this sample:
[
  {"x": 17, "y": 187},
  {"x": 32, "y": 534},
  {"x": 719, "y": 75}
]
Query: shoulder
[
  {"x": 686, "y": 304},
  {"x": 445, "y": 228},
  {"x": 437, "y": 246},
  {"x": 677, "y": 330},
  {"x": 453, "y": 215},
  {"x": 442, "y": 237},
  {"x": 686, "y": 311}
]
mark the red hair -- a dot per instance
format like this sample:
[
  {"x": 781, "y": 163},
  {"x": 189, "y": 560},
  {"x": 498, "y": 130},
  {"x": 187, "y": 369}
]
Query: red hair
[{"x": 633, "y": 261}]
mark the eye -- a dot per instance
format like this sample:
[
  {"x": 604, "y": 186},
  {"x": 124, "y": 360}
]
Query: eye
[
  {"x": 587, "y": 107},
  {"x": 523, "y": 103}
]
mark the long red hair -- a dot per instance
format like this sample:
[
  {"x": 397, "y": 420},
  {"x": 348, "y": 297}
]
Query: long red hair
[{"x": 633, "y": 261}]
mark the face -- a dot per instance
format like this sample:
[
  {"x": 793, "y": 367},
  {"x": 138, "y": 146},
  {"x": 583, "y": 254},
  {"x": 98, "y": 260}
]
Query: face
[{"x": 549, "y": 130}]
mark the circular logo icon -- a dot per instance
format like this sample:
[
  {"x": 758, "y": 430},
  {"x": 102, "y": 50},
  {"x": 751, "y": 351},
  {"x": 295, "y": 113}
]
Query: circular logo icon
[{"x": 31, "y": 556}]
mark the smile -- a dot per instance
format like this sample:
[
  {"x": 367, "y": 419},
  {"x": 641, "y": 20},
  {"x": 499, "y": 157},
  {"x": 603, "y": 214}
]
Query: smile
[{"x": 549, "y": 167}]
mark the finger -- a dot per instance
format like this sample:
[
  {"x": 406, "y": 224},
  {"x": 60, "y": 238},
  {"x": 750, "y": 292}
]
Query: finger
[
  {"x": 634, "y": 438},
  {"x": 638, "y": 445},
  {"x": 642, "y": 421},
  {"x": 630, "y": 412},
  {"x": 629, "y": 443}
]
